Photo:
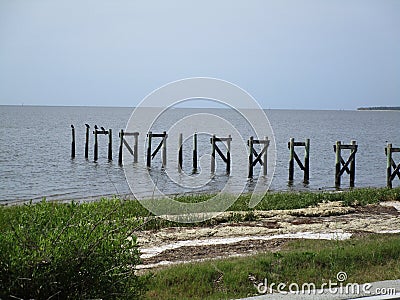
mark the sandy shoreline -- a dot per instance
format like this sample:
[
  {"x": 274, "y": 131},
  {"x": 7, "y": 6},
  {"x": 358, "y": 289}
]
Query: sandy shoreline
[{"x": 268, "y": 232}]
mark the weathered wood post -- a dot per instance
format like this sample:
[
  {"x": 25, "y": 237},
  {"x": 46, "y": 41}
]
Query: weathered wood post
[
  {"x": 228, "y": 155},
  {"x": 195, "y": 152},
  {"x": 135, "y": 147},
  {"x": 265, "y": 158},
  {"x": 109, "y": 144},
  {"x": 389, "y": 165},
  {"x": 87, "y": 141},
  {"x": 353, "y": 164},
  {"x": 291, "y": 159},
  {"x": 304, "y": 166},
  {"x": 121, "y": 143},
  {"x": 180, "y": 153},
  {"x": 337, "y": 163},
  {"x": 149, "y": 136},
  {"x": 213, "y": 154},
  {"x": 96, "y": 146},
  {"x": 164, "y": 150},
  {"x": 307, "y": 161},
  {"x": 73, "y": 142},
  {"x": 261, "y": 158},
  {"x": 215, "y": 148},
  {"x": 250, "y": 175},
  {"x": 162, "y": 144}
]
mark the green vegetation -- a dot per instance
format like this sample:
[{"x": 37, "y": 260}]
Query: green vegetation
[
  {"x": 71, "y": 250},
  {"x": 368, "y": 259},
  {"x": 380, "y": 108},
  {"x": 295, "y": 200},
  {"x": 68, "y": 251}
]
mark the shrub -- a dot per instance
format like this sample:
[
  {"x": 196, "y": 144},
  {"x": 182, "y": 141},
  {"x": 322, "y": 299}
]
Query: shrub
[{"x": 68, "y": 251}]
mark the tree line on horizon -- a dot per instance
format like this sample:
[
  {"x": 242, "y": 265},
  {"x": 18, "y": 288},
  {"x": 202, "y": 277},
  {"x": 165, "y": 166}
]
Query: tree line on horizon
[{"x": 379, "y": 108}]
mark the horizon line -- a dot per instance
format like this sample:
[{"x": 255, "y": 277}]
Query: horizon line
[{"x": 132, "y": 107}]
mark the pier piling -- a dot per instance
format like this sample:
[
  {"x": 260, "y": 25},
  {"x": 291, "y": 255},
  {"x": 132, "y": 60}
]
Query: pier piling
[
  {"x": 96, "y": 132},
  {"x": 123, "y": 141},
  {"x": 390, "y": 163},
  {"x": 260, "y": 158},
  {"x": 180, "y": 153},
  {"x": 149, "y": 137},
  {"x": 341, "y": 166},
  {"x": 96, "y": 146},
  {"x": 250, "y": 143},
  {"x": 195, "y": 152},
  {"x": 339, "y": 162},
  {"x": 164, "y": 150},
  {"x": 162, "y": 144},
  {"x": 109, "y": 144},
  {"x": 215, "y": 148},
  {"x": 87, "y": 141},
  {"x": 73, "y": 142},
  {"x": 305, "y": 167}
]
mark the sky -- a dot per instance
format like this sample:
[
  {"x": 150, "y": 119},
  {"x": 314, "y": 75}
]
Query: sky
[{"x": 288, "y": 54}]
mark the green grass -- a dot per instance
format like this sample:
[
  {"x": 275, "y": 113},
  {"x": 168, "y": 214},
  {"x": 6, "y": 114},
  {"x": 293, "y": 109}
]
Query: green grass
[
  {"x": 133, "y": 211},
  {"x": 68, "y": 251},
  {"x": 294, "y": 200},
  {"x": 58, "y": 249},
  {"x": 366, "y": 259}
]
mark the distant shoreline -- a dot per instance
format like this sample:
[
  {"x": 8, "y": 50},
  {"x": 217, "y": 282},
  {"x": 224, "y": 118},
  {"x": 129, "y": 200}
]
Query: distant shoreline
[{"x": 379, "y": 108}]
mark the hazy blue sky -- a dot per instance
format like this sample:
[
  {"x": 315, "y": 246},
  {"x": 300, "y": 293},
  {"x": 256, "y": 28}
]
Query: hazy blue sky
[{"x": 315, "y": 54}]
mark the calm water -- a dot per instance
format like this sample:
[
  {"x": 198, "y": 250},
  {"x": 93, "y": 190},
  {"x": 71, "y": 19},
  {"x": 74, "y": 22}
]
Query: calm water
[{"x": 35, "y": 151}]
